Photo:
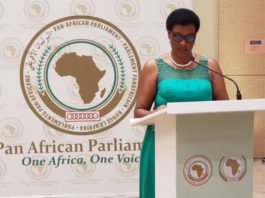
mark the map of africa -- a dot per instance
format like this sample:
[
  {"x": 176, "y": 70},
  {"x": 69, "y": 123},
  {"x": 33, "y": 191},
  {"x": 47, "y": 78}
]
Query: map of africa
[
  {"x": 198, "y": 169},
  {"x": 233, "y": 164},
  {"x": 85, "y": 72}
]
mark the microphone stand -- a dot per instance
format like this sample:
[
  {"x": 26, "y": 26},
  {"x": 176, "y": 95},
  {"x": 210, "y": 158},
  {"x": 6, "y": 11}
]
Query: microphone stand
[{"x": 238, "y": 94}]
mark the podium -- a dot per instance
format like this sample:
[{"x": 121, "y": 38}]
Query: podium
[{"x": 204, "y": 149}]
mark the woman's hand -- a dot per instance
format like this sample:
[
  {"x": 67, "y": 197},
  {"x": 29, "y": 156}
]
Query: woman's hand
[{"x": 157, "y": 109}]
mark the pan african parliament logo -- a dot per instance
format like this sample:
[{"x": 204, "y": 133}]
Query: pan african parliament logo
[{"x": 80, "y": 74}]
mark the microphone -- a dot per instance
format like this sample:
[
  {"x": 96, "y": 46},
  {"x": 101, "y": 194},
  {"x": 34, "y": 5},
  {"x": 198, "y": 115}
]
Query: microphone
[{"x": 238, "y": 94}]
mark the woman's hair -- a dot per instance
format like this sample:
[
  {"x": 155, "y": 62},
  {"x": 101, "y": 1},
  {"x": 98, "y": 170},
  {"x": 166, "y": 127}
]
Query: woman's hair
[{"x": 182, "y": 16}]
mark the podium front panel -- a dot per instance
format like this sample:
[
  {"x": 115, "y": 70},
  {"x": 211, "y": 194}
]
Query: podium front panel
[{"x": 205, "y": 155}]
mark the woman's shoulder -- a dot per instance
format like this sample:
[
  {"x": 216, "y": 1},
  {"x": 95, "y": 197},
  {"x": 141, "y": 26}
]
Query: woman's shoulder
[
  {"x": 213, "y": 63},
  {"x": 150, "y": 67},
  {"x": 210, "y": 60},
  {"x": 155, "y": 62},
  {"x": 152, "y": 63}
]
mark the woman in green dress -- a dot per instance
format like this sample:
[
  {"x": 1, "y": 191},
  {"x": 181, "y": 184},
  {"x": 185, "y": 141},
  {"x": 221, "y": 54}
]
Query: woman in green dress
[{"x": 174, "y": 77}]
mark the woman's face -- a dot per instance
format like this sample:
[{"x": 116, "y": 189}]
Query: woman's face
[{"x": 182, "y": 38}]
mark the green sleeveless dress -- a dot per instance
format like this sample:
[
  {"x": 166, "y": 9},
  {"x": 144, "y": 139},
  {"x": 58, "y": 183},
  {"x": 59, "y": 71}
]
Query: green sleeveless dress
[{"x": 172, "y": 86}]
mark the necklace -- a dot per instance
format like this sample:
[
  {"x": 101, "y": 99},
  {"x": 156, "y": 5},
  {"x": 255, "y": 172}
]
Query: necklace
[{"x": 178, "y": 64}]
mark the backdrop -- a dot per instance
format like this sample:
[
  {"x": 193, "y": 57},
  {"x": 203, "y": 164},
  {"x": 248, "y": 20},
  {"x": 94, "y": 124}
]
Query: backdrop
[{"x": 48, "y": 147}]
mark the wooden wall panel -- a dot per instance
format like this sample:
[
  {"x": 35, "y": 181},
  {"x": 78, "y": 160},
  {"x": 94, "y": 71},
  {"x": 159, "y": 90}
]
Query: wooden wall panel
[{"x": 238, "y": 21}]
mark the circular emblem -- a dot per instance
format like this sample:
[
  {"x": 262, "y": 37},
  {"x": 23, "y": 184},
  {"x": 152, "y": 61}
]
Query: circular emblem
[
  {"x": 147, "y": 47},
  {"x": 69, "y": 86},
  {"x": 233, "y": 168},
  {"x": 11, "y": 50},
  {"x": 127, "y": 9},
  {"x": 79, "y": 7},
  {"x": 36, "y": 10},
  {"x": 39, "y": 172},
  {"x": 127, "y": 167},
  {"x": 11, "y": 129},
  {"x": 197, "y": 170},
  {"x": 2, "y": 169},
  {"x": 84, "y": 170},
  {"x": 168, "y": 6}
]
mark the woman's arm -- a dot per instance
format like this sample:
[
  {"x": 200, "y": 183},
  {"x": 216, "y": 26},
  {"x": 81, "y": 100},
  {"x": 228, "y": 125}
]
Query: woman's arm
[
  {"x": 219, "y": 88},
  {"x": 146, "y": 90}
]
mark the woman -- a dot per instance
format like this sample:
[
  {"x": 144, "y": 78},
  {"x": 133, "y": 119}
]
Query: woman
[{"x": 174, "y": 77}]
